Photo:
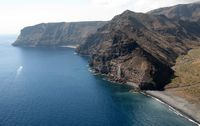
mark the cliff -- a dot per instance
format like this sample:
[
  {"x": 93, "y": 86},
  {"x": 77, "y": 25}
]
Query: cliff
[
  {"x": 140, "y": 48},
  {"x": 57, "y": 34}
]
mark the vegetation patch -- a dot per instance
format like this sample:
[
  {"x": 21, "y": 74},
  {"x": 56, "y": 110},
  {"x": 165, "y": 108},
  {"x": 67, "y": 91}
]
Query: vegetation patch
[{"x": 187, "y": 74}]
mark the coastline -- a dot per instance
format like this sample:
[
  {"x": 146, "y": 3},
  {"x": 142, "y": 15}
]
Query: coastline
[
  {"x": 70, "y": 46},
  {"x": 179, "y": 105}
]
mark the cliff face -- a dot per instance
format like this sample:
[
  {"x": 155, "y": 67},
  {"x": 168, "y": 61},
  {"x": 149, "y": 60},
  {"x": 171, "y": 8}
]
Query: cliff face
[
  {"x": 140, "y": 48},
  {"x": 57, "y": 34}
]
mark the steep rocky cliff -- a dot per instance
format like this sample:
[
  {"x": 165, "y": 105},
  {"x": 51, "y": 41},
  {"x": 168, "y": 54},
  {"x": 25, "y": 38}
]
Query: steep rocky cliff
[
  {"x": 140, "y": 48},
  {"x": 57, "y": 34}
]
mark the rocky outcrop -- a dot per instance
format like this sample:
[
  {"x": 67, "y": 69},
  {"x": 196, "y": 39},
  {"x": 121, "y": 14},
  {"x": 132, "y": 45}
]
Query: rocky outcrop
[
  {"x": 140, "y": 48},
  {"x": 57, "y": 34}
]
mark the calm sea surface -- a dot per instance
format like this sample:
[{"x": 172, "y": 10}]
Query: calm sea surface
[{"x": 53, "y": 87}]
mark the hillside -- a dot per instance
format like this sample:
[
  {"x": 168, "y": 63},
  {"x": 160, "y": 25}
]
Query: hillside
[
  {"x": 186, "y": 82},
  {"x": 186, "y": 12}
]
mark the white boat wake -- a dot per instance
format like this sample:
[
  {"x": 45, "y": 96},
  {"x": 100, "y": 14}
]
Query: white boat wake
[{"x": 19, "y": 70}]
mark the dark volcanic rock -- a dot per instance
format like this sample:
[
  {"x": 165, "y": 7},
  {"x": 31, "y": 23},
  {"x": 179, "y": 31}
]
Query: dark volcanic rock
[
  {"x": 57, "y": 34},
  {"x": 140, "y": 48}
]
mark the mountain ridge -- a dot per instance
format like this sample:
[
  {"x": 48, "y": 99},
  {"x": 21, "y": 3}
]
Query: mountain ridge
[{"x": 188, "y": 12}]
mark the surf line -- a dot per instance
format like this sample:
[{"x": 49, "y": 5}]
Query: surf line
[{"x": 171, "y": 108}]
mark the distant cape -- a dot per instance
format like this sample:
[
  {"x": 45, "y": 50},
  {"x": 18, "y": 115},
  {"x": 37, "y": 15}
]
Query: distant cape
[{"x": 57, "y": 34}]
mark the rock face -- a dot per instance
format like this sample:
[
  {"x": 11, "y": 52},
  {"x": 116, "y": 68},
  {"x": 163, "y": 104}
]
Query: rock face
[
  {"x": 187, "y": 12},
  {"x": 57, "y": 34},
  {"x": 140, "y": 48}
]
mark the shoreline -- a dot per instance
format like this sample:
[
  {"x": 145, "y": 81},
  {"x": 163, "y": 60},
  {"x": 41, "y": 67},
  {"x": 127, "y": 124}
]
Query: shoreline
[
  {"x": 178, "y": 105},
  {"x": 70, "y": 46}
]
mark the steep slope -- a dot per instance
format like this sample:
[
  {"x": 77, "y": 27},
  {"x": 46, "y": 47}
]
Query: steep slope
[
  {"x": 187, "y": 12},
  {"x": 57, "y": 34},
  {"x": 140, "y": 48},
  {"x": 187, "y": 76}
]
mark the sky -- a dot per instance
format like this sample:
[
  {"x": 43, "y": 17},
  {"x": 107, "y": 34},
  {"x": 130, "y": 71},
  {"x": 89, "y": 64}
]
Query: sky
[{"x": 16, "y": 14}]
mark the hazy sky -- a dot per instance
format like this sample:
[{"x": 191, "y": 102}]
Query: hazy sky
[{"x": 16, "y": 14}]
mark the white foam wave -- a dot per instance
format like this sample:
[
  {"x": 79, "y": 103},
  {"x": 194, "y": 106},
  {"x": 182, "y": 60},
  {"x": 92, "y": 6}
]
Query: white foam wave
[{"x": 19, "y": 70}]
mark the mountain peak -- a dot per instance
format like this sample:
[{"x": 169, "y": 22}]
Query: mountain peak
[{"x": 127, "y": 12}]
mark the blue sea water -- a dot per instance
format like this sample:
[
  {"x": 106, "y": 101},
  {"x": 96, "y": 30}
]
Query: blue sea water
[{"x": 53, "y": 87}]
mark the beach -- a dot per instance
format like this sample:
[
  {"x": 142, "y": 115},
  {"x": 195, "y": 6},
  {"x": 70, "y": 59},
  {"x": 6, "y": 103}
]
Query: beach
[
  {"x": 179, "y": 105},
  {"x": 70, "y": 46}
]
